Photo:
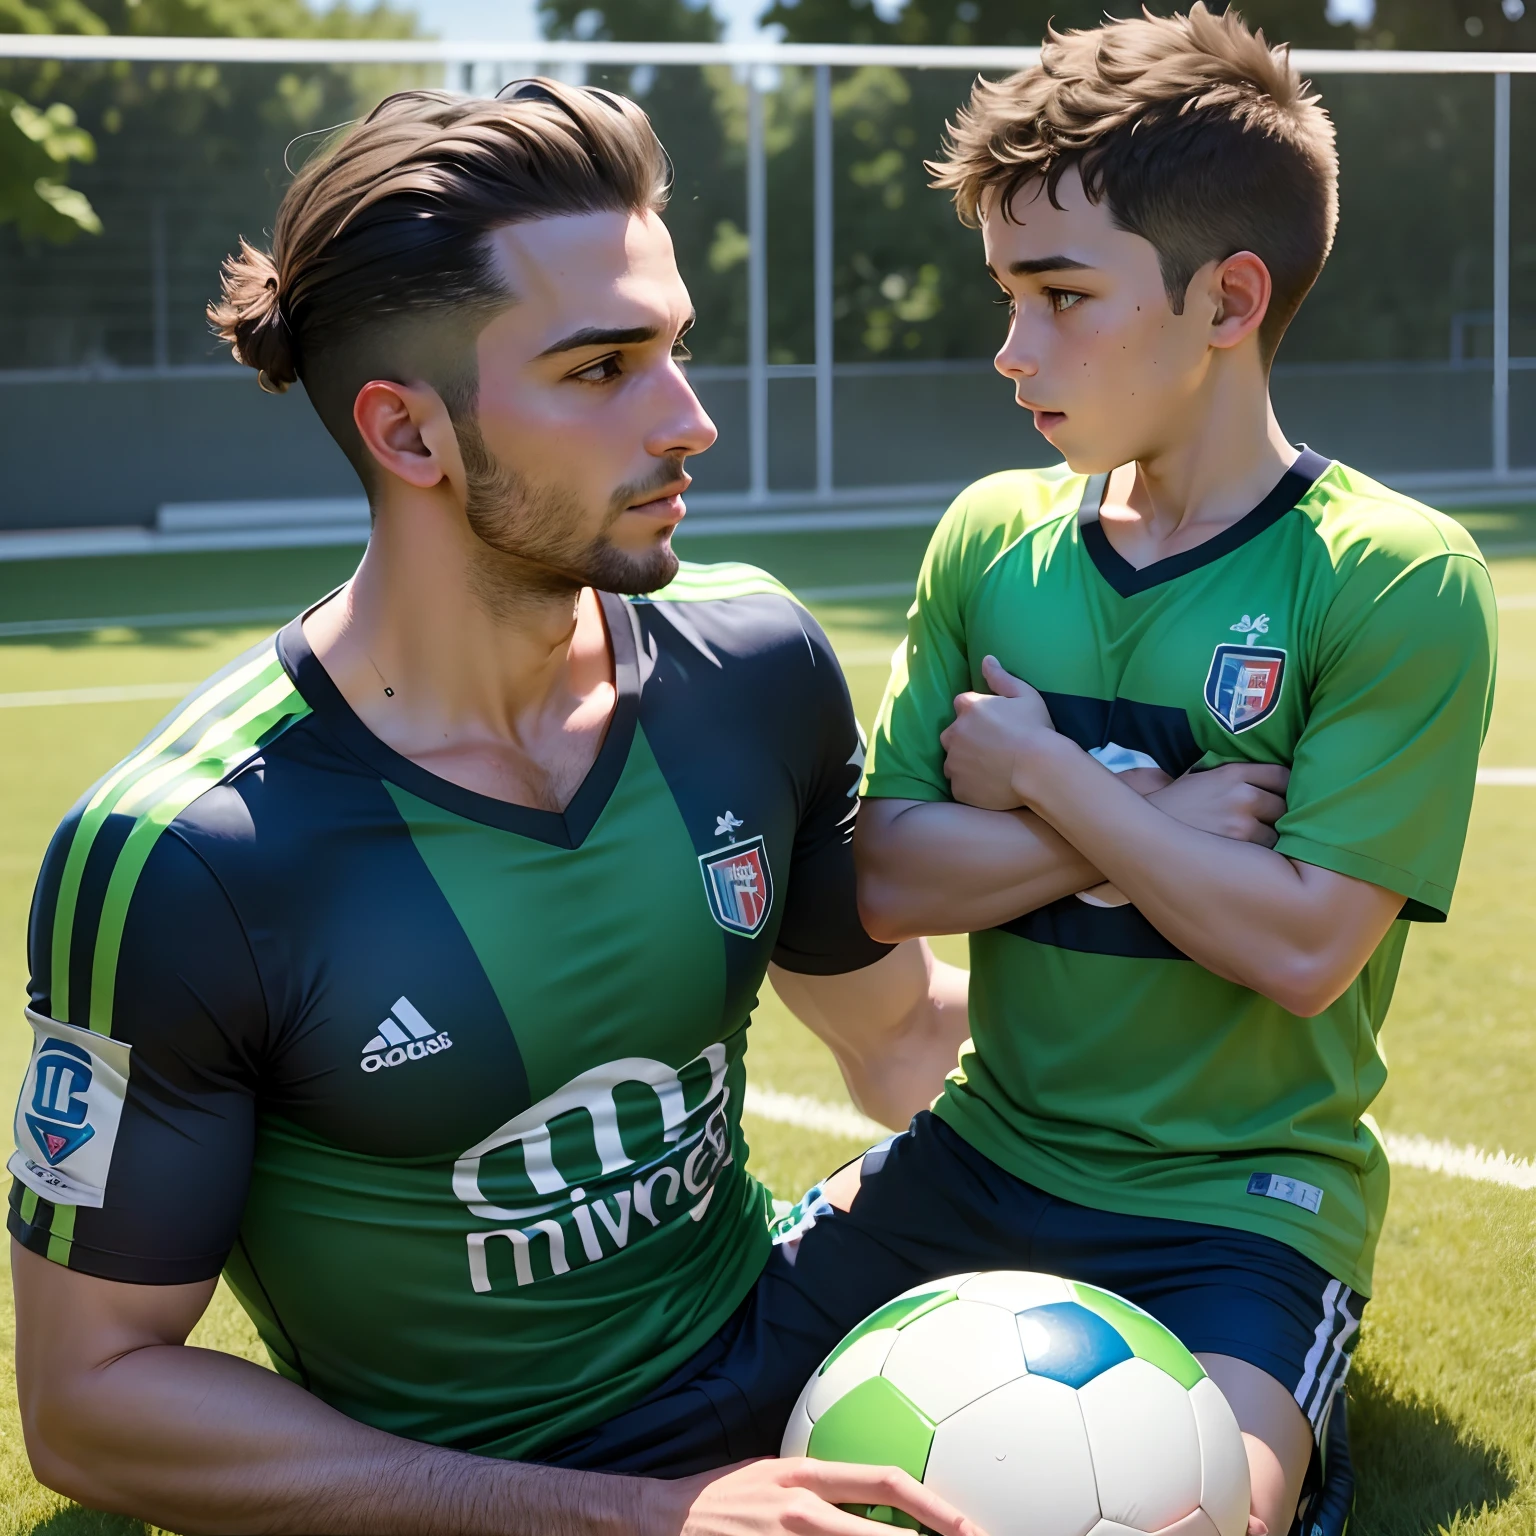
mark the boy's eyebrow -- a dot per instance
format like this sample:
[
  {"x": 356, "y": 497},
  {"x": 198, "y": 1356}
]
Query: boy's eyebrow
[{"x": 1046, "y": 264}]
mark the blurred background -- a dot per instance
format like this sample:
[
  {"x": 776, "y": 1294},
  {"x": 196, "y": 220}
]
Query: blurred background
[{"x": 123, "y": 184}]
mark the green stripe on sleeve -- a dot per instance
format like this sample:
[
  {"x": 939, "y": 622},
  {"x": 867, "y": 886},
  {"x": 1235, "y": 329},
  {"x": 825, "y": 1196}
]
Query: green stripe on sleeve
[
  {"x": 221, "y": 750},
  {"x": 61, "y": 1236},
  {"x": 28, "y": 1205},
  {"x": 104, "y": 801},
  {"x": 714, "y": 583}
]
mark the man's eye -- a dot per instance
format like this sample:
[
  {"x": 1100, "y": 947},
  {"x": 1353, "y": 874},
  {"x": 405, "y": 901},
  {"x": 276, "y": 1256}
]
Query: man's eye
[
  {"x": 680, "y": 353},
  {"x": 599, "y": 372},
  {"x": 1061, "y": 300},
  {"x": 1006, "y": 303}
]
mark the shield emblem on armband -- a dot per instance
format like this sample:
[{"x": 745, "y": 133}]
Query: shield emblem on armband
[
  {"x": 1243, "y": 685},
  {"x": 739, "y": 886}
]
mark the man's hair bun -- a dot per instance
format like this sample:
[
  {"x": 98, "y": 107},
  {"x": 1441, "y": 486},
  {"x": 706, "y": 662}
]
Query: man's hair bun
[{"x": 249, "y": 316}]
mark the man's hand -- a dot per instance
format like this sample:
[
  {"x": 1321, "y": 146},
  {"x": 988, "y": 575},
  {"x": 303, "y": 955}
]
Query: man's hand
[
  {"x": 769, "y": 1498},
  {"x": 992, "y": 731}
]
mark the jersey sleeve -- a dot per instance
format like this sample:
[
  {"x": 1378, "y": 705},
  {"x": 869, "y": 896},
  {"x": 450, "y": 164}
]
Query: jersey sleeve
[
  {"x": 1383, "y": 776},
  {"x": 906, "y": 761},
  {"x": 820, "y": 932},
  {"x": 135, "y": 1137}
]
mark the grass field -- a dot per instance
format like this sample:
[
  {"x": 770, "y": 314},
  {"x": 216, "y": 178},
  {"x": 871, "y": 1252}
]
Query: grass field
[{"x": 1444, "y": 1390}]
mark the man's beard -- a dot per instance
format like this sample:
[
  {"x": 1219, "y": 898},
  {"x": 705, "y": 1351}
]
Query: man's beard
[{"x": 531, "y": 544}]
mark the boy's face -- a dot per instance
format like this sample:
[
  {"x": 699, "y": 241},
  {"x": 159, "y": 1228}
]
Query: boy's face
[
  {"x": 585, "y": 418},
  {"x": 1094, "y": 348}
]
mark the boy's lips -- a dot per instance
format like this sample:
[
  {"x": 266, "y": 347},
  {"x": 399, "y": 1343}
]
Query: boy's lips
[{"x": 1046, "y": 420}]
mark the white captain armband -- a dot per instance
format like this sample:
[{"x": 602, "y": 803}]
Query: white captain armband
[{"x": 67, "y": 1116}]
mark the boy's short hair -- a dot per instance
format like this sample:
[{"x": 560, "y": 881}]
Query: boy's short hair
[
  {"x": 1198, "y": 135},
  {"x": 380, "y": 258}
]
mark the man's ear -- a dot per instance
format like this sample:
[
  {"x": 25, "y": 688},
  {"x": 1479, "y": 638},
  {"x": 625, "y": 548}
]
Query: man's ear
[
  {"x": 407, "y": 430},
  {"x": 1240, "y": 290}
]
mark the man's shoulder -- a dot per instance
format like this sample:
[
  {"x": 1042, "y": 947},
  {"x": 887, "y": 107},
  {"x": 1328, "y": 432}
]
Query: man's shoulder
[
  {"x": 180, "y": 775},
  {"x": 733, "y": 612},
  {"x": 1361, "y": 522}
]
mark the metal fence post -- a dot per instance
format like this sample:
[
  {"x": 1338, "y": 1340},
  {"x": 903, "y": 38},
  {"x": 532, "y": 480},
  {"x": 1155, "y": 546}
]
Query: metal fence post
[
  {"x": 823, "y": 278},
  {"x": 757, "y": 293},
  {"x": 160, "y": 287},
  {"x": 1501, "y": 275}
]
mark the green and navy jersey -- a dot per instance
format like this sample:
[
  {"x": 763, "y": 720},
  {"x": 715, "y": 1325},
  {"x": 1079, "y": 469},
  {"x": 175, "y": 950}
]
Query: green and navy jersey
[
  {"x": 448, "y": 1088},
  {"x": 1339, "y": 629}
]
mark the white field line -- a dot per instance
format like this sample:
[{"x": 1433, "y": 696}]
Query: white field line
[
  {"x": 812, "y": 1114},
  {"x": 1460, "y": 1162},
  {"x": 1518, "y": 600},
  {"x": 1405, "y": 1151},
  {"x": 128, "y": 693},
  {"x": 1524, "y": 777}
]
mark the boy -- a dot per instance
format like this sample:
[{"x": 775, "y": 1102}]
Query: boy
[{"x": 1174, "y": 1033}]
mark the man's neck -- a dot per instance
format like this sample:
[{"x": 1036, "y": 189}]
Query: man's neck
[
  {"x": 1186, "y": 491},
  {"x": 509, "y": 698}
]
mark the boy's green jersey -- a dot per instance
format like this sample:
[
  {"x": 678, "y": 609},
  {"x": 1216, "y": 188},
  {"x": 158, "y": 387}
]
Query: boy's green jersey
[{"x": 1339, "y": 629}]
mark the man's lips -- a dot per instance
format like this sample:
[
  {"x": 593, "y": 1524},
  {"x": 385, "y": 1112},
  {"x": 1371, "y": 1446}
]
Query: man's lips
[{"x": 666, "y": 505}]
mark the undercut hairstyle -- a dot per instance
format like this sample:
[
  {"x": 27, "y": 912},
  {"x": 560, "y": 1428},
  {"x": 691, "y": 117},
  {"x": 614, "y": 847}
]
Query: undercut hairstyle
[
  {"x": 1196, "y": 134},
  {"x": 380, "y": 264}
]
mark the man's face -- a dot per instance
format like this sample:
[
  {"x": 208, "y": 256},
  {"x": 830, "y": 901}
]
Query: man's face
[
  {"x": 1094, "y": 348},
  {"x": 584, "y": 416}
]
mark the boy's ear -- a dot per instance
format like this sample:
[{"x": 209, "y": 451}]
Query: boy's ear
[{"x": 1240, "y": 289}]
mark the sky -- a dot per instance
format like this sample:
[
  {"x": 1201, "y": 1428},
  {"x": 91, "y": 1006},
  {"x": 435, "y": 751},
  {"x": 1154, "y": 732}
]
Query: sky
[{"x": 517, "y": 20}]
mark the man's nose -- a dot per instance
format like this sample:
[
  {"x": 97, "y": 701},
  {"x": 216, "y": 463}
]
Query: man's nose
[{"x": 685, "y": 426}]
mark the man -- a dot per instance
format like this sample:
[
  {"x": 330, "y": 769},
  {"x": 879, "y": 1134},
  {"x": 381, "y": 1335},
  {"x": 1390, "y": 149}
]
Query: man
[
  {"x": 1175, "y": 1034},
  {"x": 403, "y": 973}
]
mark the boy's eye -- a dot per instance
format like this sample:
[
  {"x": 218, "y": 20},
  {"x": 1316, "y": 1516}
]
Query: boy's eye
[
  {"x": 680, "y": 353},
  {"x": 1061, "y": 300}
]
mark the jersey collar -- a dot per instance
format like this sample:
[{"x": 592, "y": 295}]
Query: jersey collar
[
  {"x": 561, "y": 829},
  {"x": 1127, "y": 580}
]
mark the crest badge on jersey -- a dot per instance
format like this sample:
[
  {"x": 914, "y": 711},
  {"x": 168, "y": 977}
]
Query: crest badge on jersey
[
  {"x": 1242, "y": 688},
  {"x": 739, "y": 885}
]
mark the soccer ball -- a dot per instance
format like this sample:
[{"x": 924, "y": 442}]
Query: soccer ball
[{"x": 1037, "y": 1406}]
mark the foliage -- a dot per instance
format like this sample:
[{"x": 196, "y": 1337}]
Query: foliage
[{"x": 166, "y": 164}]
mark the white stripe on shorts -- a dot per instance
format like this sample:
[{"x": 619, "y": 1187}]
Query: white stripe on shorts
[
  {"x": 1325, "y": 1369},
  {"x": 1338, "y": 1362},
  {"x": 1319, "y": 1344}
]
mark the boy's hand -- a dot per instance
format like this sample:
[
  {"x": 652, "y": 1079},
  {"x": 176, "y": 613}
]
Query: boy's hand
[
  {"x": 991, "y": 733},
  {"x": 1242, "y": 801}
]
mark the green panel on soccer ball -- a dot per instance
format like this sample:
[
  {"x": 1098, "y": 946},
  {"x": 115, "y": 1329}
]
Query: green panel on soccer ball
[
  {"x": 894, "y": 1314},
  {"x": 1147, "y": 1338},
  {"x": 876, "y": 1425}
]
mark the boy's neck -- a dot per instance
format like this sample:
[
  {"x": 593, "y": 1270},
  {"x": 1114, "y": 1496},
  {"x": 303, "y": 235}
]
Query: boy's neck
[{"x": 1193, "y": 487}]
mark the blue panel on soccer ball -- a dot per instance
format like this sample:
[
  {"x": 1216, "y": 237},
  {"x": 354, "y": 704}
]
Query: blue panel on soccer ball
[{"x": 1067, "y": 1343}]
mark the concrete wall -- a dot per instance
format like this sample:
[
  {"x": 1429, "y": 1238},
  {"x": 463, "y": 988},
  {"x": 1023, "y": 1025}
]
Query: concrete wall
[{"x": 108, "y": 452}]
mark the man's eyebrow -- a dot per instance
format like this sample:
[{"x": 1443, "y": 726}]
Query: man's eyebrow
[
  {"x": 601, "y": 336},
  {"x": 1046, "y": 264}
]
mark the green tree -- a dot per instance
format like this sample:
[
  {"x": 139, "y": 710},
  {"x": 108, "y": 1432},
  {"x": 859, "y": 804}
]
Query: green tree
[{"x": 162, "y": 164}]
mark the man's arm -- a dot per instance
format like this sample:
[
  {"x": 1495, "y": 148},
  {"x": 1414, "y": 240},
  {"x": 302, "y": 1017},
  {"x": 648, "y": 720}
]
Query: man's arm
[
  {"x": 1292, "y": 931},
  {"x": 895, "y": 1027},
  {"x": 121, "y": 1415},
  {"x": 945, "y": 867}
]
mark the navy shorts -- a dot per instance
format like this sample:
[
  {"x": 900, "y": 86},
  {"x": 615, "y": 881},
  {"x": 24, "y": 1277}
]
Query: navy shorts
[{"x": 931, "y": 1205}]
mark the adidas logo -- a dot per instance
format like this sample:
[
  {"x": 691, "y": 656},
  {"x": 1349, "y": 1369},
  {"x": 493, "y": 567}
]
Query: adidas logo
[{"x": 403, "y": 1036}]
